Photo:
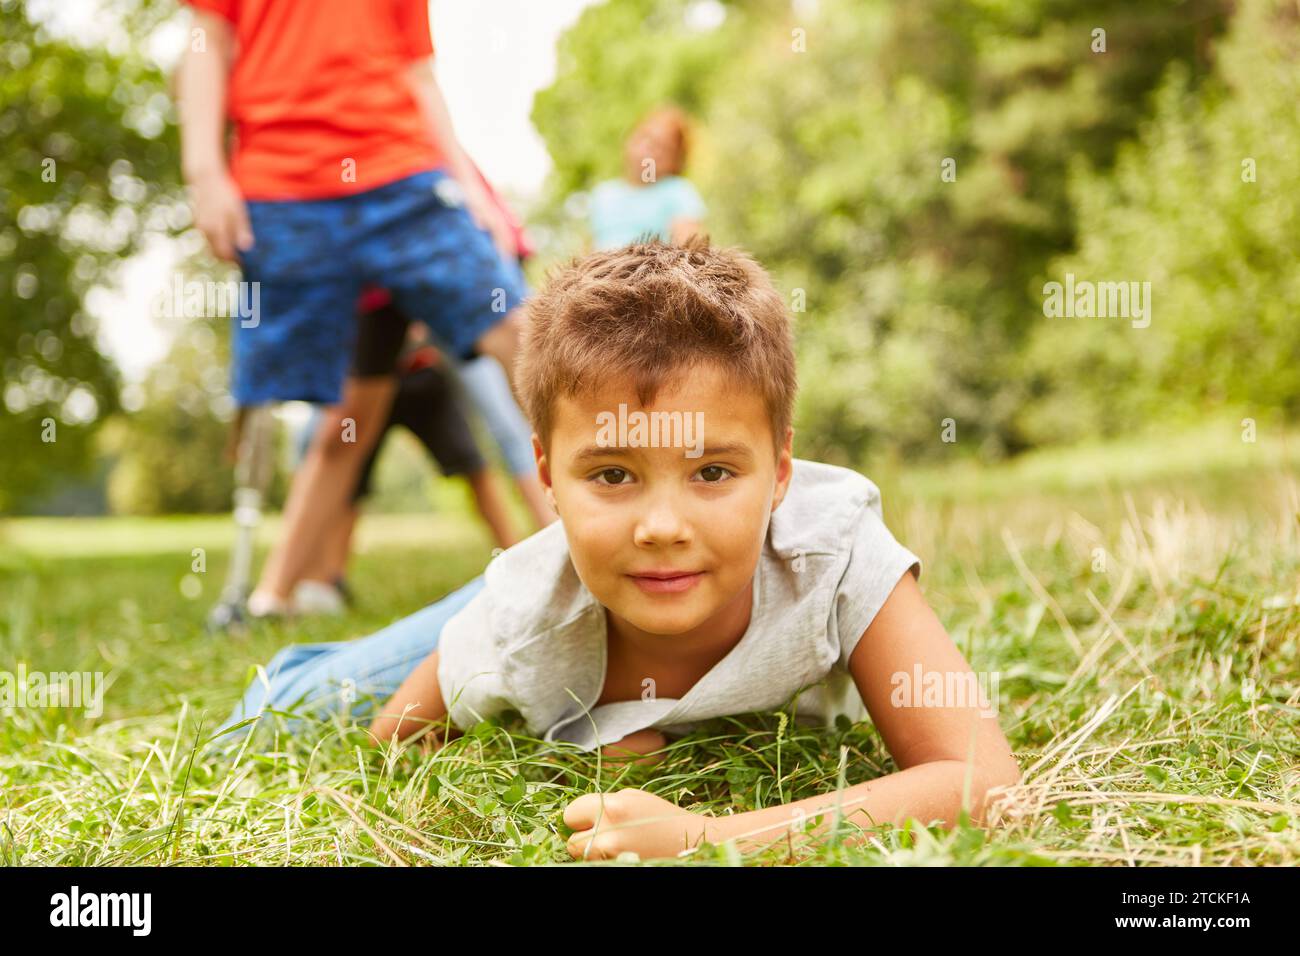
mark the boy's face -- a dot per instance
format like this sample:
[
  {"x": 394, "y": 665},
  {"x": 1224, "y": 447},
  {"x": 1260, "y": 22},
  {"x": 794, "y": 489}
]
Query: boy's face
[
  {"x": 654, "y": 140},
  {"x": 667, "y": 534}
]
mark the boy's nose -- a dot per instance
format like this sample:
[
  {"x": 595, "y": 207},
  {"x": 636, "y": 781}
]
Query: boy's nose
[{"x": 661, "y": 523}]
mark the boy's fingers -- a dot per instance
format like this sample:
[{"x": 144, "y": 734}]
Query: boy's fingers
[
  {"x": 243, "y": 232},
  {"x": 218, "y": 241},
  {"x": 578, "y": 843},
  {"x": 487, "y": 219},
  {"x": 581, "y": 814}
]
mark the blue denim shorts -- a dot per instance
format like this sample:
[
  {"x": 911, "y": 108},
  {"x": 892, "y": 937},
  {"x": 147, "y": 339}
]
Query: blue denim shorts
[{"x": 311, "y": 258}]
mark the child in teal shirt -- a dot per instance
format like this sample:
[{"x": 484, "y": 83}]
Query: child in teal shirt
[{"x": 653, "y": 200}]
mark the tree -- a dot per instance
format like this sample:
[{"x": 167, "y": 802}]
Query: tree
[
  {"x": 90, "y": 163},
  {"x": 902, "y": 169},
  {"x": 168, "y": 454},
  {"x": 1202, "y": 206}
]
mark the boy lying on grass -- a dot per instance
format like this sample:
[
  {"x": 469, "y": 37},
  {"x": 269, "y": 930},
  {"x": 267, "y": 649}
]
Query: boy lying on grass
[{"x": 698, "y": 570}]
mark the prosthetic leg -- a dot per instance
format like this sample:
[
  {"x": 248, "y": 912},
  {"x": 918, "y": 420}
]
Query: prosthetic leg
[{"x": 254, "y": 464}]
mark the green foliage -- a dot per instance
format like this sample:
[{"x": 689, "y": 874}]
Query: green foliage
[
  {"x": 822, "y": 142},
  {"x": 169, "y": 455},
  {"x": 823, "y": 130},
  {"x": 89, "y": 154},
  {"x": 1181, "y": 211},
  {"x": 620, "y": 60}
]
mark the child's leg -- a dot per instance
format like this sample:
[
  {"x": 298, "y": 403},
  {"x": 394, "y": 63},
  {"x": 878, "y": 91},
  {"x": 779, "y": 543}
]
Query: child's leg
[
  {"x": 492, "y": 507},
  {"x": 331, "y": 561},
  {"x": 369, "y": 390},
  {"x": 339, "y": 548},
  {"x": 429, "y": 405},
  {"x": 350, "y": 677},
  {"x": 322, "y": 487},
  {"x": 487, "y": 389},
  {"x": 485, "y": 384},
  {"x": 530, "y": 489},
  {"x": 299, "y": 347}
]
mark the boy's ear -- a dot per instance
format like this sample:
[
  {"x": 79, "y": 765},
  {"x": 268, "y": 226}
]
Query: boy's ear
[
  {"x": 784, "y": 468},
  {"x": 544, "y": 471}
]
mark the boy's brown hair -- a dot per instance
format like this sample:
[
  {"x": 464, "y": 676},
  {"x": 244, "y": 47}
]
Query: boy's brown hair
[{"x": 650, "y": 311}]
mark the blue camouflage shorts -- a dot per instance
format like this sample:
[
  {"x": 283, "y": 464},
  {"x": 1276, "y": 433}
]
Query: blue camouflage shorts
[{"x": 311, "y": 258}]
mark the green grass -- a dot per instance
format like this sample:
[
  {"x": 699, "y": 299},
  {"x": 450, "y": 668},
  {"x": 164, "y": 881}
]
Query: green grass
[{"x": 1154, "y": 702}]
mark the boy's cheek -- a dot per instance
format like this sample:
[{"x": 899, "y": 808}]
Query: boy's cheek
[
  {"x": 597, "y": 570},
  {"x": 592, "y": 551},
  {"x": 592, "y": 538}
]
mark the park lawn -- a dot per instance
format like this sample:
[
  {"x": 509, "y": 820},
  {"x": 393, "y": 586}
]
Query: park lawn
[{"x": 1142, "y": 625}]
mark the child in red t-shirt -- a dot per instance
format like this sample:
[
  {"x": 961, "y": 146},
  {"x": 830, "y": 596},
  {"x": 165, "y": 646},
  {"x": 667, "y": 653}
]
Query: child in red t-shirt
[{"x": 344, "y": 171}]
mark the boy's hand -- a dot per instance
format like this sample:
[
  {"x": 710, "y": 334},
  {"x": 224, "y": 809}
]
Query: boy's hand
[
  {"x": 489, "y": 218},
  {"x": 634, "y": 821},
  {"x": 221, "y": 214}
]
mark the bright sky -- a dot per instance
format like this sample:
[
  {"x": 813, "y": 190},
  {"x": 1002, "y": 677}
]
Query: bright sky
[{"x": 491, "y": 57}]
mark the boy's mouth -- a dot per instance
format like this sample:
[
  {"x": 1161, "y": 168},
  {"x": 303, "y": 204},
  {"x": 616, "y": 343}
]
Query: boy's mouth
[{"x": 667, "y": 581}]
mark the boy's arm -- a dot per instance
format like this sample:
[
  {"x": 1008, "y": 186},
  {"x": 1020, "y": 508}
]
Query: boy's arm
[
  {"x": 424, "y": 85},
  {"x": 219, "y": 210},
  {"x": 416, "y": 705},
  {"x": 950, "y": 756}
]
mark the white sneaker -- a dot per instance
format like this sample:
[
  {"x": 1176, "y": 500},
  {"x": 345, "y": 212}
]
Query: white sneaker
[
  {"x": 263, "y": 605},
  {"x": 317, "y": 597}
]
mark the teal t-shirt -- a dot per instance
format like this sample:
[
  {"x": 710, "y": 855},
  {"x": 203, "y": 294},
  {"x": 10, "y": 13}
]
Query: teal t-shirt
[{"x": 621, "y": 212}]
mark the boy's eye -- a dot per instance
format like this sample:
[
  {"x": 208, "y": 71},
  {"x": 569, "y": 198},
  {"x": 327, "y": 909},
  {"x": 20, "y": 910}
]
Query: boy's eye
[
  {"x": 617, "y": 473},
  {"x": 713, "y": 474}
]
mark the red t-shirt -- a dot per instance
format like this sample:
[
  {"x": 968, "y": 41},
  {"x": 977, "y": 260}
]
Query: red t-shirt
[{"x": 318, "y": 97}]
